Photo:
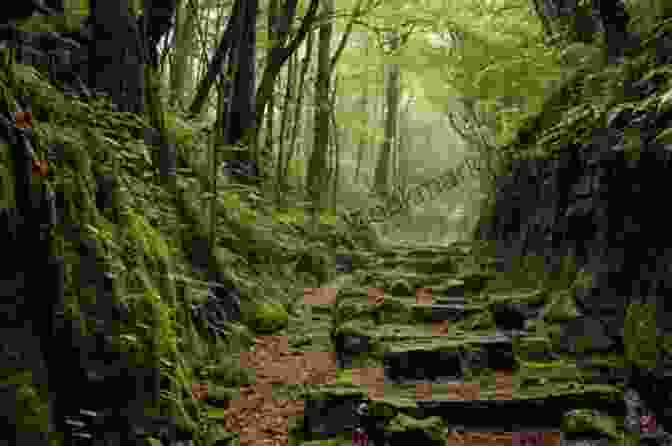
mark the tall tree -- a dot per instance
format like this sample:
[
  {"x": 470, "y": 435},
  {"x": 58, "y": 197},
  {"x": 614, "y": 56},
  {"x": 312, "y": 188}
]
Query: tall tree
[
  {"x": 317, "y": 164},
  {"x": 283, "y": 160},
  {"x": 364, "y": 136},
  {"x": 242, "y": 71},
  {"x": 216, "y": 64},
  {"x": 297, "y": 112},
  {"x": 181, "y": 68},
  {"x": 382, "y": 174},
  {"x": 115, "y": 55},
  {"x": 154, "y": 23},
  {"x": 280, "y": 53}
]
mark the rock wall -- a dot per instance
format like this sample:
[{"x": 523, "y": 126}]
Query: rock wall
[{"x": 604, "y": 204}]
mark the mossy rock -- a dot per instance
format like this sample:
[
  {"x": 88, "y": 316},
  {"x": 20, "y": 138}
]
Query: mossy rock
[
  {"x": 479, "y": 321},
  {"x": 640, "y": 335},
  {"x": 432, "y": 426},
  {"x": 269, "y": 317},
  {"x": 590, "y": 421},
  {"x": 561, "y": 307}
]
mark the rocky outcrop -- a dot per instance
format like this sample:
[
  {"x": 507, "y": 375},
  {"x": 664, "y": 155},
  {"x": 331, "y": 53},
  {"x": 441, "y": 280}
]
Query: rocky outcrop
[{"x": 601, "y": 202}]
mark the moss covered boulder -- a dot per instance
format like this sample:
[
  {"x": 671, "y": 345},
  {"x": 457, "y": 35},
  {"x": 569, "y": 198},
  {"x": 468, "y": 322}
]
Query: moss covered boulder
[{"x": 590, "y": 421}]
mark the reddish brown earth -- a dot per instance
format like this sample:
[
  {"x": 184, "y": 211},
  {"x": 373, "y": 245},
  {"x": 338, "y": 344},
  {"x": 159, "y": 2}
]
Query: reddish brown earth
[{"x": 258, "y": 417}]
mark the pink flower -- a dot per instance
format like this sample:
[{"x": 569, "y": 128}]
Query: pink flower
[{"x": 647, "y": 424}]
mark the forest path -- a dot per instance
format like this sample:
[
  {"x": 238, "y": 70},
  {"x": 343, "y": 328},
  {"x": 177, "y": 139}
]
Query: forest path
[{"x": 443, "y": 347}]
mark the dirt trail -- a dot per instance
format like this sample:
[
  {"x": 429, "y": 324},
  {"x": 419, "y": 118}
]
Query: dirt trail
[{"x": 257, "y": 416}]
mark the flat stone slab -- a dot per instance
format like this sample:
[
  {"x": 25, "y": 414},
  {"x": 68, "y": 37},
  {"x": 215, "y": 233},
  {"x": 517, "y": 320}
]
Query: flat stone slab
[
  {"x": 422, "y": 365},
  {"x": 325, "y": 418},
  {"x": 439, "y": 312},
  {"x": 537, "y": 413}
]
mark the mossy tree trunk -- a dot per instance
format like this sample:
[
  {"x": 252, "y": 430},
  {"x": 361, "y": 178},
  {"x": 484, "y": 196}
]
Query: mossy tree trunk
[{"x": 181, "y": 68}]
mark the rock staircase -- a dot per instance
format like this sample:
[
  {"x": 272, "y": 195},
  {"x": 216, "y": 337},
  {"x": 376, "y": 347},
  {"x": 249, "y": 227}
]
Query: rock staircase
[{"x": 442, "y": 357}]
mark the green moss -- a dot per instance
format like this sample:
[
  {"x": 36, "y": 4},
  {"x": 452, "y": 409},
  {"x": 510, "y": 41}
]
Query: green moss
[
  {"x": 7, "y": 200},
  {"x": 269, "y": 317},
  {"x": 585, "y": 420},
  {"x": 561, "y": 307},
  {"x": 401, "y": 287},
  {"x": 433, "y": 426},
  {"x": 31, "y": 411},
  {"x": 641, "y": 336}
]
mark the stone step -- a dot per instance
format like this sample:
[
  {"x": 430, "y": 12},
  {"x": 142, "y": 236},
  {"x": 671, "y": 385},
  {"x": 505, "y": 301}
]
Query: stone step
[
  {"x": 422, "y": 365},
  {"x": 403, "y": 337},
  {"x": 439, "y": 312},
  {"x": 538, "y": 413},
  {"x": 328, "y": 417},
  {"x": 403, "y": 361}
]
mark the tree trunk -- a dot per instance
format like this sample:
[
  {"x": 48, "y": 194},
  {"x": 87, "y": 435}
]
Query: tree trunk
[
  {"x": 272, "y": 37},
  {"x": 615, "y": 20},
  {"x": 243, "y": 70},
  {"x": 115, "y": 55},
  {"x": 364, "y": 137},
  {"x": 297, "y": 111},
  {"x": 284, "y": 124},
  {"x": 279, "y": 55},
  {"x": 336, "y": 144},
  {"x": 382, "y": 174},
  {"x": 404, "y": 149},
  {"x": 217, "y": 61},
  {"x": 317, "y": 164},
  {"x": 155, "y": 22},
  {"x": 181, "y": 74}
]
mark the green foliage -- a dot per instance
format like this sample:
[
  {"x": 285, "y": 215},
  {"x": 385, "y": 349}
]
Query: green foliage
[{"x": 268, "y": 317}]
